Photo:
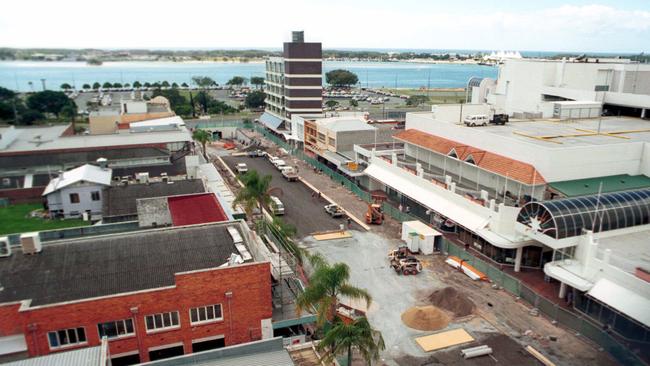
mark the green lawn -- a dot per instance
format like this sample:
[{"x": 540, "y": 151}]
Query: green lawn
[{"x": 15, "y": 219}]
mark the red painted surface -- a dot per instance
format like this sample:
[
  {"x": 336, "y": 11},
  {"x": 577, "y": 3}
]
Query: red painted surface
[
  {"x": 250, "y": 285},
  {"x": 195, "y": 209}
]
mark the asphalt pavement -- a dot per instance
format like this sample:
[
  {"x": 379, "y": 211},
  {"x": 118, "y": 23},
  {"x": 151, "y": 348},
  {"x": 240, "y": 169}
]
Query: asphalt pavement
[{"x": 302, "y": 208}]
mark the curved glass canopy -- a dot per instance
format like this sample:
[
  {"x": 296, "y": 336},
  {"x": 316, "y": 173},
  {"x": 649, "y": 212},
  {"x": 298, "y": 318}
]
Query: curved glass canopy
[{"x": 568, "y": 217}]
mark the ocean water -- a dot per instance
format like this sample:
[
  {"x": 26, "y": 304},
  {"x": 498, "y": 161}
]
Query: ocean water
[{"x": 28, "y": 75}]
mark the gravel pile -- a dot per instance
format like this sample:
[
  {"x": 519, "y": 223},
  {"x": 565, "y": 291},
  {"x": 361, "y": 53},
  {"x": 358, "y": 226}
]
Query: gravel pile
[
  {"x": 453, "y": 301},
  {"x": 425, "y": 318}
]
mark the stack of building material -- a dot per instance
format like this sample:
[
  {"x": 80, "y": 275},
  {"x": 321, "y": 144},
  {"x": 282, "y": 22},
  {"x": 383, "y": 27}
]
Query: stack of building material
[
  {"x": 470, "y": 271},
  {"x": 476, "y": 351}
]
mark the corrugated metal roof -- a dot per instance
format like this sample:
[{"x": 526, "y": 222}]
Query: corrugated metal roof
[
  {"x": 89, "y": 356},
  {"x": 271, "y": 358},
  {"x": 270, "y": 121},
  {"x": 85, "y": 173}
]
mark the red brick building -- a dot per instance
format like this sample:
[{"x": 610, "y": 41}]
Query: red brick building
[{"x": 154, "y": 294}]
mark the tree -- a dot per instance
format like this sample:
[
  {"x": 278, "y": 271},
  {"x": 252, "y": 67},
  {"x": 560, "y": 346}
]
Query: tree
[
  {"x": 127, "y": 85},
  {"x": 326, "y": 284},
  {"x": 66, "y": 86},
  {"x": 107, "y": 85},
  {"x": 236, "y": 81},
  {"x": 30, "y": 116},
  {"x": 257, "y": 81},
  {"x": 117, "y": 85},
  {"x": 255, "y": 99},
  {"x": 354, "y": 103},
  {"x": 340, "y": 77},
  {"x": 183, "y": 110},
  {"x": 173, "y": 96},
  {"x": 48, "y": 101},
  {"x": 137, "y": 84},
  {"x": 70, "y": 112},
  {"x": 331, "y": 103},
  {"x": 184, "y": 85},
  {"x": 165, "y": 84},
  {"x": 8, "y": 100},
  {"x": 156, "y": 85},
  {"x": 203, "y": 137},
  {"x": 256, "y": 192},
  {"x": 344, "y": 338},
  {"x": 416, "y": 100},
  {"x": 203, "y": 81},
  {"x": 147, "y": 84},
  {"x": 96, "y": 85},
  {"x": 86, "y": 87},
  {"x": 174, "y": 85}
]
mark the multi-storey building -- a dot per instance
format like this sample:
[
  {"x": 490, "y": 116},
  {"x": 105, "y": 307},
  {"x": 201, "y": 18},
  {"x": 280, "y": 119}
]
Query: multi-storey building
[{"x": 294, "y": 83}]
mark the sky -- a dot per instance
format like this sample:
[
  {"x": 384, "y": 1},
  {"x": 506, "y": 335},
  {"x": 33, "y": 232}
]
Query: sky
[{"x": 542, "y": 25}]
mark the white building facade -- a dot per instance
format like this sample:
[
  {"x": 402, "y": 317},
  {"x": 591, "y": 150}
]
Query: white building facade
[{"x": 77, "y": 191}]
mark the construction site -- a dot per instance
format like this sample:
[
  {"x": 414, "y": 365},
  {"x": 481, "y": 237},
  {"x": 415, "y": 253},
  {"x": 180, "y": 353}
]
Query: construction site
[{"x": 431, "y": 307}]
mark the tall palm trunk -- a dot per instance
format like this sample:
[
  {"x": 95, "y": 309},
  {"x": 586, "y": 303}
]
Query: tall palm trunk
[{"x": 350, "y": 355}]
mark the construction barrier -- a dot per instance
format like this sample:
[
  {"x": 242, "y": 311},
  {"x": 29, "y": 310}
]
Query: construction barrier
[{"x": 567, "y": 318}]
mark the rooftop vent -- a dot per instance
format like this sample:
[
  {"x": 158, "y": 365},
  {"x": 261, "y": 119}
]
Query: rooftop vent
[{"x": 102, "y": 162}]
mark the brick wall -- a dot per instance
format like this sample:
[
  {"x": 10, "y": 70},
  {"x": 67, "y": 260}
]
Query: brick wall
[
  {"x": 250, "y": 285},
  {"x": 23, "y": 195}
]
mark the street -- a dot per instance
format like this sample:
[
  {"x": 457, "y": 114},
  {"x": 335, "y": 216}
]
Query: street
[{"x": 302, "y": 209}]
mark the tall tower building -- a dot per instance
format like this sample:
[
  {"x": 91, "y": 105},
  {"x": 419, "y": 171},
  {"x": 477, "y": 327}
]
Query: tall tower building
[{"x": 294, "y": 83}]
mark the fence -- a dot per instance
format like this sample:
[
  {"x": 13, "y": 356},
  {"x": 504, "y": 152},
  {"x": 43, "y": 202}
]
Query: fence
[{"x": 569, "y": 319}]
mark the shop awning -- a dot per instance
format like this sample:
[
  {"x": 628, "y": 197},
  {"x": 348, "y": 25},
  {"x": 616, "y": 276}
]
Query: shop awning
[
  {"x": 444, "y": 202},
  {"x": 622, "y": 299},
  {"x": 271, "y": 121}
]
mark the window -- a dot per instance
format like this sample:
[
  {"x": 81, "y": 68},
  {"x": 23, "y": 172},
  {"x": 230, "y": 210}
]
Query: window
[
  {"x": 74, "y": 197},
  {"x": 204, "y": 314},
  {"x": 67, "y": 337},
  {"x": 116, "y": 329},
  {"x": 452, "y": 154},
  {"x": 331, "y": 141},
  {"x": 95, "y": 196},
  {"x": 162, "y": 321}
]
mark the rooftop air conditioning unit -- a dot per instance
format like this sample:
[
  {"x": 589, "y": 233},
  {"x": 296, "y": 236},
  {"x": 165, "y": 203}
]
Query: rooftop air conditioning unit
[
  {"x": 5, "y": 248},
  {"x": 143, "y": 177},
  {"x": 31, "y": 243}
]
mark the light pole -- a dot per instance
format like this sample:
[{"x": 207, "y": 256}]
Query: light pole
[{"x": 43, "y": 83}]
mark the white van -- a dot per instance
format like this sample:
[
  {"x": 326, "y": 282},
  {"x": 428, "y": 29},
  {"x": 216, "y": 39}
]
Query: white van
[
  {"x": 476, "y": 120},
  {"x": 276, "y": 206}
]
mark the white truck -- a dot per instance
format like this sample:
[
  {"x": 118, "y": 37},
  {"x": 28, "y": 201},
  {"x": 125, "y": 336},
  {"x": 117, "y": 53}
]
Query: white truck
[{"x": 289, "y": 173}]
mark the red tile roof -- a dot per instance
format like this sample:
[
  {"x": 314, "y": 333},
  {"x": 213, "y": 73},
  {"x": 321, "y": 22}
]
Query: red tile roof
[
  {"x": 498, "y": 164},
  {"x": 195, "y": 209}
]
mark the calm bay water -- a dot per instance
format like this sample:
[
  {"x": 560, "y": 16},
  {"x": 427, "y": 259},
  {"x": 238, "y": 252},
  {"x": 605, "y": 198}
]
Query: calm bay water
[{"x": 17, "y": 75}]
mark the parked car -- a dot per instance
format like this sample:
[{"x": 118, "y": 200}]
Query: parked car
[
  {"x": 476, "y": 120},
  {"x": 241, "y": 168},
  {"x": 276, "y": 206},
  {"x": 500, "y": 119},
  {"x": 256, "y": 153},
  {"x": 289, "y": 173},
  {"x": 279, "y": 163}
]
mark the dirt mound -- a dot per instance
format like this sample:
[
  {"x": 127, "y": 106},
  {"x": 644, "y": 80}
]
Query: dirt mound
[
  {"x": 451, "y": 300},
  {"x": 425, "y": 318}
]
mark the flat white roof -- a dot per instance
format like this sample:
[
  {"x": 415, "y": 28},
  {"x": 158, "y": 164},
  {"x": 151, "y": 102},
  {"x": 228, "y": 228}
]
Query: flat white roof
[
  {"x": 622, "y": 299},
  {"x": 49, "y": 138},
  {"x": 12, "y": 344},
  {"x": 421, "y": 228},
  {"x": 628, "y": 251},
  {"x": 342, "y": 124}
]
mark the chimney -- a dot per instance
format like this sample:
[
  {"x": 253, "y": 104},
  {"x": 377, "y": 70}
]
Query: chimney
[
  {"x": 298, "y": 36},
  {"x": 103, "y": 163}
]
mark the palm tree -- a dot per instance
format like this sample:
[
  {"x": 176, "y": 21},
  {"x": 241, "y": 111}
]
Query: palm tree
[
  {"x": 344, "y": 338},
  {"x": 326, "y": 284},
  {"x": 203, "y": 137},
  {"x": 256, "y": 192}
]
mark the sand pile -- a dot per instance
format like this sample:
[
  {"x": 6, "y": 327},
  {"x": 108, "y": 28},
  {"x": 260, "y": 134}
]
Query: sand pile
[
  {"x": 453, "y": 301},
  {"x": 425, "y": 318}
]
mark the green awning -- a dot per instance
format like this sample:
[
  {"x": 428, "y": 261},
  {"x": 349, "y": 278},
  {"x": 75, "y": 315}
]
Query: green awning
[{"x": 590, "y": 186}]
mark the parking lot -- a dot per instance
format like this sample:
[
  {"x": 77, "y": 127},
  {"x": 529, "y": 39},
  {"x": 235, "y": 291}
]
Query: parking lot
[{"x": 302, "y": 209}]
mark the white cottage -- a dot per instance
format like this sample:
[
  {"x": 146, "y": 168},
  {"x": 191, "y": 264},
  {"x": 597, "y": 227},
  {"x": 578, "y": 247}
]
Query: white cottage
[{"x": 77, "y": 191}]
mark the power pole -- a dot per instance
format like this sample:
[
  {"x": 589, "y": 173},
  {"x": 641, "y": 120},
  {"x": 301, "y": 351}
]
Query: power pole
[{"x": 43, "y": 83}]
